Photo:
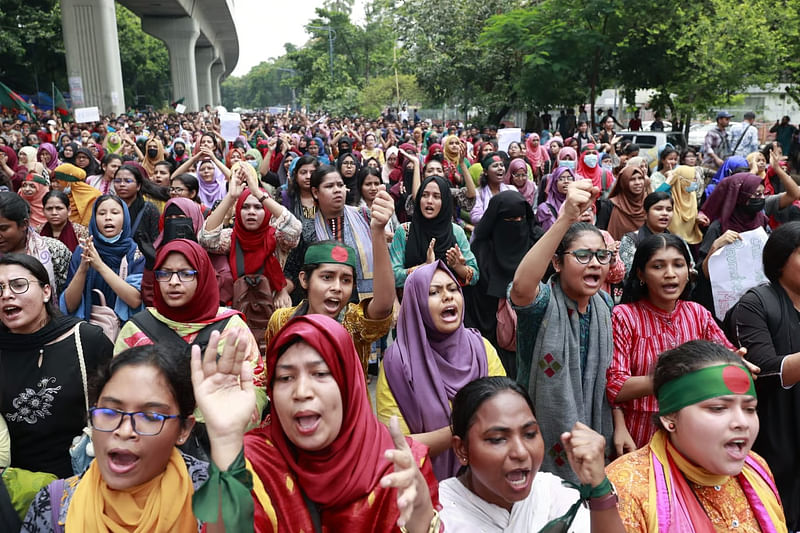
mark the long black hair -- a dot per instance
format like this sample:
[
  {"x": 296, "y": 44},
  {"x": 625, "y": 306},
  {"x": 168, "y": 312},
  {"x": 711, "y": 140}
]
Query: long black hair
[{"x": 634, "y": 289}]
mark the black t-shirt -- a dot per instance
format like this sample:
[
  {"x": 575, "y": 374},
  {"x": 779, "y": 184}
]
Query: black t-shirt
[{"x": 44, "y": 407}]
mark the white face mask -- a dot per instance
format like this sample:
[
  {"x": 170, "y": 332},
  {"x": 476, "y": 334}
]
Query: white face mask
[
  {"x": 590, "y": 160},
  {"x": 567, "y": 163}
]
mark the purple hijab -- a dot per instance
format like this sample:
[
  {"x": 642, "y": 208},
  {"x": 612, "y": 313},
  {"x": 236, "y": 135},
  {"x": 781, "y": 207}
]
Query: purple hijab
[
  {"x": 547, "y": 213},
  {"x": 425, "y": 369},
  {"x": 210, "y": 192},
  {"x": 50, "y": 149}
]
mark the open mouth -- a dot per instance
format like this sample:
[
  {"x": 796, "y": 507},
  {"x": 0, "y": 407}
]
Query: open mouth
[
  {"x": 670, "y": 288},
  {"x": 737, "y": 449},
  {"x": 332, "y": 304},
  {"x": 518, "y": 479},
  {"x": 450, "y": 313},
  {"x": 122, "y": 462},
  {"x": 592, "y": 280},
  {"x": 307, "y": 422},
  {"x": 11, "y": 311}
]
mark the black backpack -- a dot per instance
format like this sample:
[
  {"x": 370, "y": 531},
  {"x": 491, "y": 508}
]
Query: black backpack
[{"x": 159, "y": 332}]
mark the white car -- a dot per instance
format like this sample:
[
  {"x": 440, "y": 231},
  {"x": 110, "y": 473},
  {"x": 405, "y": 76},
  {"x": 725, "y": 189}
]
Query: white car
[{"x": 652, "y": 142}]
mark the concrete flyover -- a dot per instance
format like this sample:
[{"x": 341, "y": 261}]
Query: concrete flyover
[{"x": 200, "y": 36}]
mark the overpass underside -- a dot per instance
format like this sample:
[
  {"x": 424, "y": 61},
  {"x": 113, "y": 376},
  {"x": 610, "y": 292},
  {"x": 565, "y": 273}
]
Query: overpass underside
[{"x": 200, "y": 36}]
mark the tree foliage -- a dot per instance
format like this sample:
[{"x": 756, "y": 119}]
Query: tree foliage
[
  {"x": 267, "y": 84},
  {"x": 145, "y": 63}
]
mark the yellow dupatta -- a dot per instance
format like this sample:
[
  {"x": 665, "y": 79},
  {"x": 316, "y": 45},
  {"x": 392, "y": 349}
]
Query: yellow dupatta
[
  {"x": 161, "y": 505},
  {"x": 663, "y": 453}
]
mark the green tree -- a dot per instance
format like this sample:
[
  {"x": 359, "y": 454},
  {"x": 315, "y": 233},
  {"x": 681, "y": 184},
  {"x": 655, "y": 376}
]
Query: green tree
[
  {"x": 382, "y": 92},
  {"x": 145, "y": 63},
  {"x": 31, "y": 45},
  {"x": 267, "y": 84}
]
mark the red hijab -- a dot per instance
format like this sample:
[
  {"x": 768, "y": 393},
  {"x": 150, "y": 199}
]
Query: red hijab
[
  {"x": 204, "y": 305},
  {"x": 345, "y": 473},
  {"x": 258, "y": 247}
]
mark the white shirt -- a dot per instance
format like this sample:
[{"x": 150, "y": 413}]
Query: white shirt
[{"x": 463, "y": 511}]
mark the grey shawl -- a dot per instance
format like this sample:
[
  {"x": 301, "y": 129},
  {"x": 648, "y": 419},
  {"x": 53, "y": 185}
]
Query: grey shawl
[{"x": 563, "y": 394}]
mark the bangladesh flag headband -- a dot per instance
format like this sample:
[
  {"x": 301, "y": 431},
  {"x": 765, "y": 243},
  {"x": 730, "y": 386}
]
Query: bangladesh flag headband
[{"x": 703, "y": 384}]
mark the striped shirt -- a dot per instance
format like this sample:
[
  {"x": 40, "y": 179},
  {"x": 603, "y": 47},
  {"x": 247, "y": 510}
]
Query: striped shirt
[{"x": 641, "y": 333}]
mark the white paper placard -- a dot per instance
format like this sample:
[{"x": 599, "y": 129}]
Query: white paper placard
[
  {"x": 180, "y": 108},
  {"x": 86, "y": 114},
  {"x": 735, "y": 268},
  {"x": 506, "y": 136},
  {"x": 230, "y": 126}
]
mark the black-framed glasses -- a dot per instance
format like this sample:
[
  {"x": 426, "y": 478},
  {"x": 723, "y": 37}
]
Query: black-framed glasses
[
  {"x": 183, "y": 275},
  {"x": 146, "y": 424},
  {"x": 584, "y": 256},
  {"x": 17, "y": 285},
  {"x": 176, "y": 190}
]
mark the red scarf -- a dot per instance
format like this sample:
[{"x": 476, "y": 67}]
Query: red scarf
[
  {"x": 205, "y": 303},
  {"x": 341, "y": 477},
  {"x": 67, "y": 236},
  {"x": 258, "y": 247}
]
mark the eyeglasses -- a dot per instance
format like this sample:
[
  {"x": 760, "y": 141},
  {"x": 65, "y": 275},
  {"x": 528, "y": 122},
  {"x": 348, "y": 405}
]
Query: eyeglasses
[
  {"x": 146, "y": 424},
  {"x": 565, "y": 179},
  {"x": 183, "y": 275},
  {"x": 17, "y": 285},
  {"x": 127, "y": 181},
  {"x": 176, "y": 190},
  {"x": 348, "y": 163},
  {"x": 584, "y": 256},
  {"x": 521, "y": 174}
]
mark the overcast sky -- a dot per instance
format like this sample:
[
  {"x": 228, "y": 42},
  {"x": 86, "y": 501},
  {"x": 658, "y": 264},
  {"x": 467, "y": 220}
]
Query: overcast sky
[{"x": 259, "y": 40}]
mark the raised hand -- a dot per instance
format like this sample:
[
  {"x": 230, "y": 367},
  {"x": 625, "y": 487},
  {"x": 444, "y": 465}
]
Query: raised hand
[
  {"x": 382, "y": 209},
  {"x": 413, "y": 496},
  {"x": 431, "y": 254},
  {"x": 580, "y": 196},
  {"x": 585, "y": 450},
  {"x": 455, "y": 258},
  {"x": 225, "y": 394}
]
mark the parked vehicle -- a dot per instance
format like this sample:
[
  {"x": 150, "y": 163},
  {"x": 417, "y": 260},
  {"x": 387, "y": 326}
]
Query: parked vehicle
[{"x": 652, "y": 142}]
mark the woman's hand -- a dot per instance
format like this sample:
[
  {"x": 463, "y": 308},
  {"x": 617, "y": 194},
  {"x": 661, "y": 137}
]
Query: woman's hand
[
  {"x": 282, "y": 299},
  {"x": 413, "y": 496},
  {"x": 236, "y": 186},
  {"x": 90, "y": 257},
  {"x": 702, "y": 220},
  {"x": 623, "y": 442},
  {"x": 382, "y": 209},
  {"x": 249, "y": 178},
  {"x": 726, "y": 238},
  {"x": 580, "y": 196},
  {"x": 586, "y": 453},
  {"x": 225, "y": 394},
  {"x": 431, "y": 254},
  {"x": 455, "y": 258}
]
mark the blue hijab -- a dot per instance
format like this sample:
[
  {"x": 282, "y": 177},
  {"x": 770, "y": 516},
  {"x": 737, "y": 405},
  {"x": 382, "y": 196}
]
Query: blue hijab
[
  {"x": 323, "y": 156},
  {"x": 728, "y": 167},
  {"x": 111, "y": 252}
]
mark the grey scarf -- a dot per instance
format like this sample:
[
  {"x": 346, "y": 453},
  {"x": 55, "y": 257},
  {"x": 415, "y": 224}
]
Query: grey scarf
[{"x": 561, "y": 392}]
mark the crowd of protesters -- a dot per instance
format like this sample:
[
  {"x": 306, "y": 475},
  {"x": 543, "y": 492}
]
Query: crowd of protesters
[{"x": 190, "y": 326}]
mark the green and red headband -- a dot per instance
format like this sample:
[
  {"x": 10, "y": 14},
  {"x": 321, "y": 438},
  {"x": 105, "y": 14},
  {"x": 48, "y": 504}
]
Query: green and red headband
[
  {"x": 327, "y": 252},
  {"x": 704, "y": 384}
]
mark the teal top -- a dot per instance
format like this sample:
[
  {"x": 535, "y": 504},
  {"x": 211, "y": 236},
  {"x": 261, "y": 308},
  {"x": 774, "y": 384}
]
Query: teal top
[{"x": 397, "y": 251}]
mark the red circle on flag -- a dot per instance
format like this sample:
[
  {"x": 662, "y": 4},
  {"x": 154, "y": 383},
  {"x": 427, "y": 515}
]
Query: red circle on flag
[
  {"x": 339, "y": 253},
  {"x": 736, "y": 379}
]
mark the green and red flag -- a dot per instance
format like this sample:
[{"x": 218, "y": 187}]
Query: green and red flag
[
  {"x": 12, "y": 100},
  {"x": 60, "y": 104}
]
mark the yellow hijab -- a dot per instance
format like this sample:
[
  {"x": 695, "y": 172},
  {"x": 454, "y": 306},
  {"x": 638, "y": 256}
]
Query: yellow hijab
[
  {"x": 163, "y": 504},
  {"x": 684, "y": 219},
  {"x": 751, "y": 159}
]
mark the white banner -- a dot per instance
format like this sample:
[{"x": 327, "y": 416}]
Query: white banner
[
  {"x": 735, "y": 268},
  {"x": 86, "y": 114},
  {"x": 506, "y": 136},
  {"x": 230, "y": 126}
]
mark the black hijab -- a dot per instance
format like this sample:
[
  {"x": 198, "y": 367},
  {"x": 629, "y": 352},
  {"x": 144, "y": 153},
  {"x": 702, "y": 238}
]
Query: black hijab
[
  {"x": 353, "y": 193},
  {"x": 94, "y": 168},
  {"x": 499, "y": 244},
  {"x": 423, "y": 229}
]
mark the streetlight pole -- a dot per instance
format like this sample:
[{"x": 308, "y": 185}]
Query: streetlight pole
[
  {"x": 331, "y": 37},
  {"x": 294, "y": 96}
]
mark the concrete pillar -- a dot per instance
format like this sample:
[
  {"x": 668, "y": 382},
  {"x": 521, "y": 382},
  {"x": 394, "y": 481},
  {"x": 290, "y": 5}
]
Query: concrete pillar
[
  {"x": 92, "y": 53},
  {"x": 204, "y": 57},
  {"x": 217, "y": 69},
  {"x": 180, "y": 35}
]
